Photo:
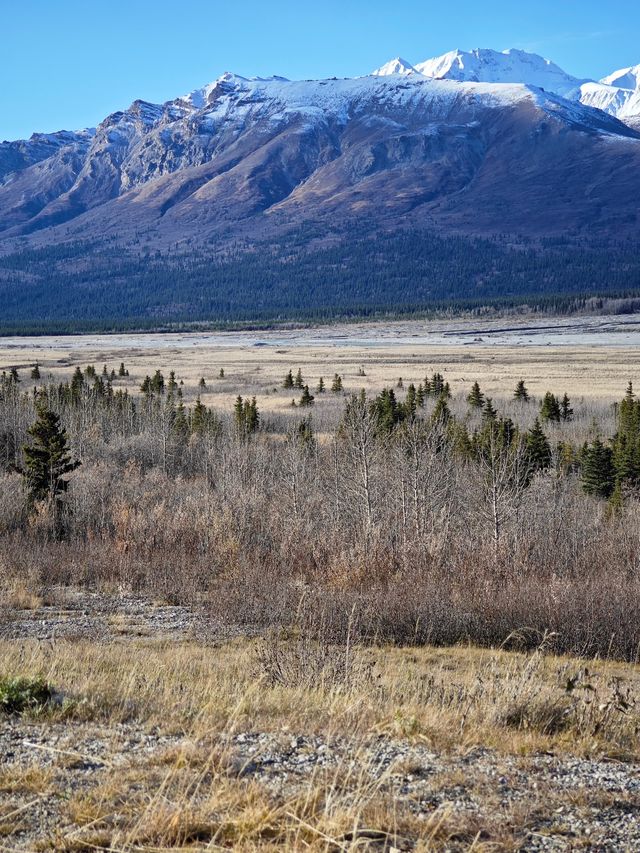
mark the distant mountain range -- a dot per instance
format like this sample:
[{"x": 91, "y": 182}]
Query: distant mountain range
[{"x": 270, "y": 198}]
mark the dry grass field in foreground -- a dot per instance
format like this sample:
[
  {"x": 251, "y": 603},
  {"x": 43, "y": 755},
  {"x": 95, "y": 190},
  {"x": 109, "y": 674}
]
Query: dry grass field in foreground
[{"x": 154, "y": 744}]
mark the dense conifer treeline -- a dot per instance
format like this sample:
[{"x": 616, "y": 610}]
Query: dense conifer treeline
[{"x": 79, "y": 286}]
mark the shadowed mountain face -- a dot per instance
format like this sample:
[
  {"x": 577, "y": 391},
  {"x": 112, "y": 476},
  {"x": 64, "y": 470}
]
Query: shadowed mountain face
[
  {"x": 478, "y": 157},
  {"x": 249, "y": 162}
]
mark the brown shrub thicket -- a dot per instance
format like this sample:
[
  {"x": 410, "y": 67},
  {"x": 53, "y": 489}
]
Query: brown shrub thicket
[{"x": 395, "y": 535}]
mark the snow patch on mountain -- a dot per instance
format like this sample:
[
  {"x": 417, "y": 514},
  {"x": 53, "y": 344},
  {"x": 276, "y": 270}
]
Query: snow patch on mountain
[{"x": 618, "y": 94}]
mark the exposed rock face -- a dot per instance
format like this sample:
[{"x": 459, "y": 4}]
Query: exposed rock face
[{"x": 393, "y": 150}]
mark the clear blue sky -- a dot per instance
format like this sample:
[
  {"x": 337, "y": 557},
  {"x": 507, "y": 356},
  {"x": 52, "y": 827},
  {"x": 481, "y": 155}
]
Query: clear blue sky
[{"x": 69, "y": 63}]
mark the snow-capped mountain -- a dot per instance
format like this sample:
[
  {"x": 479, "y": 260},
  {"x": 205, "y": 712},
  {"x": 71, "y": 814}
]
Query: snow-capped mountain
[
  {"x": 491, "y": 66},
  {"x": 247, "y": 168},
  {"x": 624, "y": 78},
  {"x": 420, "y": 141},
  {"x": 619, "y": 102},
  {"x": 617, "y": 94}
]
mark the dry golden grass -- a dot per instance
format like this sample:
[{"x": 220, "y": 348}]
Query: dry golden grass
[
  {"x": 451, "y": 698},
  {"x": 599, "y": 372},
  {"x": 32, "y": 779},
  {"x": 194, "y": 794},
  {"x": 17, "y": 594}
]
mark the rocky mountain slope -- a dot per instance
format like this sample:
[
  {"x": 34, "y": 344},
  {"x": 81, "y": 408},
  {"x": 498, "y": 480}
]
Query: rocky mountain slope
[{"x": 462, "y": 154}]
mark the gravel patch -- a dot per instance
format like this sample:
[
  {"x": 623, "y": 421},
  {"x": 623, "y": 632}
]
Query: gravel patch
[
  {"x": 77, "y": 615},
  {"x": 552, "y": 803}
]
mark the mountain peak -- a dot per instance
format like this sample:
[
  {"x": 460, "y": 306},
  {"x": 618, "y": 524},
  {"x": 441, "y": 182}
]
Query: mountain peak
[
  {"x": 394, "y": 66},
  {"x": 508, "y": 66},
  {"x": 624, "y": 78},
  {"x": 199, "y": 98}
]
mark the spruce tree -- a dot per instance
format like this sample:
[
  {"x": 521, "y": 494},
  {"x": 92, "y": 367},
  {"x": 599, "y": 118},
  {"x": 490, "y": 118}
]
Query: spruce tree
[
  {"x": 506, "y": 433},
  {"x": 626, "y": 443},
  {"x": 35, "y": 372},
  {"x": 299, "y": 382},
  {"x": 387, "y": 411},
  {"x": 121, "y": 370},
  {"x": 437, "y": 385},
  {"x": 320, "y": 389},
  {"x": 537, "y": 448},
  {"x": 198, "y": 417},
  {"x": 307, "y": 397},
  {"x": 410, "y": 404},
  {"x": 566, "y": 412},
  {"x": 521, "y": 393},
  {"x": 550, "y": 408},
  {"x": 46, "y": 458},
  {"x": 157, "y": 383},
  {"x": 441, "y": 413},
  {"x": 475, "y": 397},
  {"x": 288, "y": 380},
  {"x": 597, "y": 473},
  {"x": 253, "y": 416},
  {"x": 77, "y": 383},
  {"x": 238, "y": 414},
  {"x": 180, "y": 425},
  {"x": 304, "y": 432},
  {"x": 246, "y": 416},
  {"x": 488, "y": 412},
  {"x": 336, "y": 385},
  {"x": 221, "y": 373}
]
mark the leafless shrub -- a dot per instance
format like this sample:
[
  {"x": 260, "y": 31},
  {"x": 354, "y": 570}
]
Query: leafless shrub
[
  {"x": 313, "y": 655},
  {"x": 395, "y": 535}
]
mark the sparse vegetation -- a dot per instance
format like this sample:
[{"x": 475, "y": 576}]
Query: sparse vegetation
[{"x": 391, "y": 751}]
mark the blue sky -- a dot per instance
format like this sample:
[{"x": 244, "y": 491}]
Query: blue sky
[{"x": 68, "y": 64}]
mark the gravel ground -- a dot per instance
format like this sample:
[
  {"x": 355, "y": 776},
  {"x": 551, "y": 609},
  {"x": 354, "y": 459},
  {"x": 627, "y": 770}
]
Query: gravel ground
[
  {"x": 70, "y": 614},
  {"x": 555, "y": 804},
  {"x": 419, "y": 777},
  {"x": 77, "y": 615}
]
